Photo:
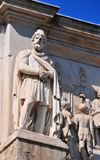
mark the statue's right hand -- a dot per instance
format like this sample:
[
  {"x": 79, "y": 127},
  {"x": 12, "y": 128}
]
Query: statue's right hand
[{"x": 44, "y": 75}]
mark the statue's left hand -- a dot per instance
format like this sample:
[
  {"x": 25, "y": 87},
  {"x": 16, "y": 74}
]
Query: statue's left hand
[{"x": 45, "y": 75}]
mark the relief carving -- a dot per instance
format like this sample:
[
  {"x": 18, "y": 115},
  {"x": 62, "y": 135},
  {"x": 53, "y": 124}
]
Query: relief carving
[
  {"x": 96, "y": 117},
  {"x": 64, "y": 122},
  {"x": 82, "y": 77},
  {"x": 35, "y": 83},
  {"x": 82, "y": 99},
  {"x": 67, "y": 126},
  {"x": 84, "y": 124}
]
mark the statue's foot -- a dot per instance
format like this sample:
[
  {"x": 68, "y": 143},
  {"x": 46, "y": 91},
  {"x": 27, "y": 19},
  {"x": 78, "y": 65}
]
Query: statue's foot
[
  {"x": 91, "y": 155},
  {"x": 18, "y": 128},
  {"x": 97, "y": 146}
]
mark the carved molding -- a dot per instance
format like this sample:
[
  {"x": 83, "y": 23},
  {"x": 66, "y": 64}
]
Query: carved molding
[
  {"x": 26, "y": 12},
  {"x": 76, "y": 43}
]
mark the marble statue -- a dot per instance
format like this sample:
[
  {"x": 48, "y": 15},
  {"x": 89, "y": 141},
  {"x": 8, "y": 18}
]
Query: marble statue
[
  {"x": 36, "y": 89},
  {"x": 84, "y": 124},
  {"x": 96, "y": 118}
]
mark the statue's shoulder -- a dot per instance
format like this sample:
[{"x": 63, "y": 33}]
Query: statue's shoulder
[
  {"x": 76, "y": 116},
  {"x": 95, "y": 100},
  {"x": 24, "y": 52}
]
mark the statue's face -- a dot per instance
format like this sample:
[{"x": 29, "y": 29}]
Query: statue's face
[
  {"x": 98, "y": 93},
  {"x": 38, "y": 42}
]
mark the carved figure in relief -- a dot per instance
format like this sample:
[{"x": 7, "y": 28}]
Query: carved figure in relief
[
  {"x": 96, "y": 117},
  {"x": 82, "y": 77},
  {"x": 82, "y": 99},
  {"x": 66, "y": 125},
  {"x": 35, "y": 86},
  {"x": 64, "y": 122},
  {"x": 84, "y": 124}
]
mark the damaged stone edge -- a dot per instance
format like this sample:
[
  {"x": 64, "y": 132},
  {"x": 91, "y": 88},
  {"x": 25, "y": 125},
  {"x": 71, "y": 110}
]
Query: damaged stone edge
[{"x": 31, "y": 136}]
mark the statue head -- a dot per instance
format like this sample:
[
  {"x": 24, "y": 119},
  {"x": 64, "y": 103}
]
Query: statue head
[
  {"x": 98, "y": 93},
  {"x": 83, "y": 108},
  {"x": 38, "y": 40},
  {"x": 66, "y": 105}
]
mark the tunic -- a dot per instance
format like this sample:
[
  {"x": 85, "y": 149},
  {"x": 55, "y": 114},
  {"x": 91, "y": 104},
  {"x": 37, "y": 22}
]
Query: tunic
[
  {"x": 43, "y": 92},
  {"x": 35, "y": 87}
]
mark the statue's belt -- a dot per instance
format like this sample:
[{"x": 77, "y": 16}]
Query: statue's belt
[{"x": 24, "y": 76}]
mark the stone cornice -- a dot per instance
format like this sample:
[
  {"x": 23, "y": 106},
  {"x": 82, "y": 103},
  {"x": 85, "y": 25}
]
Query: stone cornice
[
  {"x": 74, "y": 38},
  {"x": 41, "y": 14},
  {"x": 26, "y": 11},
  {"x": 76, "y": 24},
  {"x": 71, "y": 36}
]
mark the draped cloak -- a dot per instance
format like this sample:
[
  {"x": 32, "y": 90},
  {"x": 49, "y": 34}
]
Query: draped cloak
[{"x": 17, "y": 84}]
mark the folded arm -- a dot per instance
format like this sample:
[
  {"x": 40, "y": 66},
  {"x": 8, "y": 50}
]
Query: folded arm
[{"x": 25, "y": 68}]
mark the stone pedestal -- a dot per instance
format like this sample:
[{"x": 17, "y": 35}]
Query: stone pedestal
[
  {"x": 96, "y": 152},
  {"x": 25, "y": 145}
]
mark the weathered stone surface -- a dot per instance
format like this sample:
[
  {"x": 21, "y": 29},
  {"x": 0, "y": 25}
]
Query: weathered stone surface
[
  {"x": 25, "y": 145},
  {"x": 35, "y": 87},
  {"x": 96, "y": 152}
]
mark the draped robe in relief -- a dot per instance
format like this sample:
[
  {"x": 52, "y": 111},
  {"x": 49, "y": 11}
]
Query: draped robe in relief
[{"x": 45, "y": 91}]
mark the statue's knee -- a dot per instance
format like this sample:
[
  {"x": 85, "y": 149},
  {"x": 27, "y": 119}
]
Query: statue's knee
[
  {"x": 44, "y": 109},
  {"x": 28, "y": 101}
]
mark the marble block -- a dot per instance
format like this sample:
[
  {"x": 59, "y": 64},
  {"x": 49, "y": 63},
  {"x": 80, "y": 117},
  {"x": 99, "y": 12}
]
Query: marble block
[
  {"x": 96, "y": 152},
  {"x": 27, "y": 145}
]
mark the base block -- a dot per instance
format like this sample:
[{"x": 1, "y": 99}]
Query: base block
[
  {"x": 96, "y": 152},
  {"x": 26, "y": 145}
]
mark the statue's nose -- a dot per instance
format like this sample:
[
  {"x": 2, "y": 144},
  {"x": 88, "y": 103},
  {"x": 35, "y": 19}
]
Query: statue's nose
[{"x": 40, "y": 39}]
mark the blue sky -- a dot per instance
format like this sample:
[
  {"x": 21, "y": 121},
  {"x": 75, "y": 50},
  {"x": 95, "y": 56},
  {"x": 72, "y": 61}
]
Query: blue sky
[{"x": 87, "y": 10}]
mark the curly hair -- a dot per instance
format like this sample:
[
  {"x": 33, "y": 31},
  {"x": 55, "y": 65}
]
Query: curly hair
[{"x": 39, "y": 32}]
